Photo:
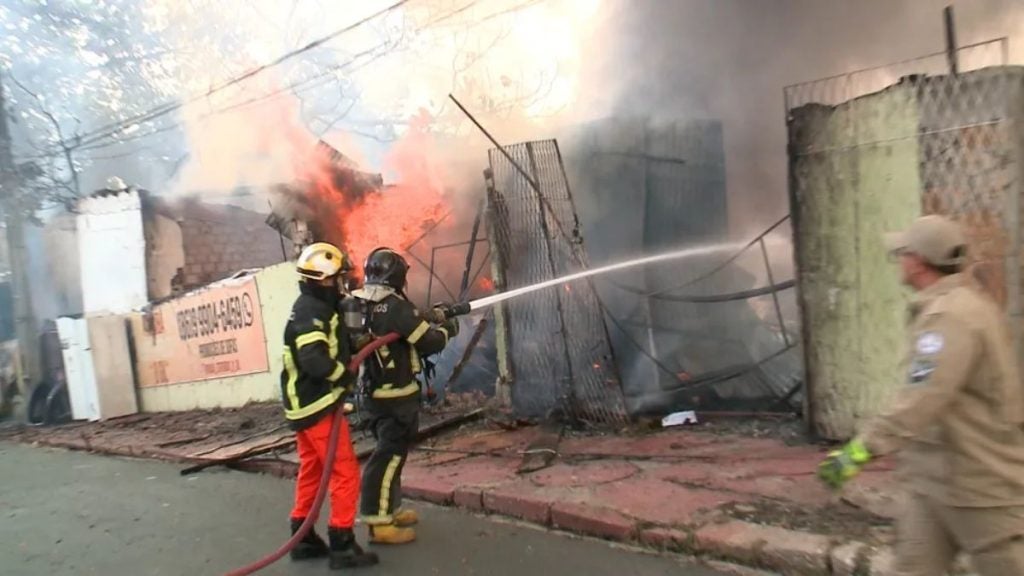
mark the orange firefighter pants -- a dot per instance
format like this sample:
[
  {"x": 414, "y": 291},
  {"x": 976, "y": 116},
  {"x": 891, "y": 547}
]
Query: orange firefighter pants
[{"x": 344, "y": 483}]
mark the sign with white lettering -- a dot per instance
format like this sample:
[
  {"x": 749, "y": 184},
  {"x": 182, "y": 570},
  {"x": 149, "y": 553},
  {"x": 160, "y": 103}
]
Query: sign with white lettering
[{"x": 214, "y": 333}]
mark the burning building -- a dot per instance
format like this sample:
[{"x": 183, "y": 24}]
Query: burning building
[{"x": 124, "y": 247}]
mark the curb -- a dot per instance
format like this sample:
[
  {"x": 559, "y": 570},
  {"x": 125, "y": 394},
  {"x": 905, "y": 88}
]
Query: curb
[{"x": 759, "y": 547}]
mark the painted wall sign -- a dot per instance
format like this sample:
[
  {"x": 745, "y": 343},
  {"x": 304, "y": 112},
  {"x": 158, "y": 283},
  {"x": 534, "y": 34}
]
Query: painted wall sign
[{"x": 214, "y": 333}]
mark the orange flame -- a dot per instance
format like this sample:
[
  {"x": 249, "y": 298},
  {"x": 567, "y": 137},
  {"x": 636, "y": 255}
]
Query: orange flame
[{"x": 361, "y": 219}]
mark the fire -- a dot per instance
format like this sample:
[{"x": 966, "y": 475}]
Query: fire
[{"x": 396, "y": 216}]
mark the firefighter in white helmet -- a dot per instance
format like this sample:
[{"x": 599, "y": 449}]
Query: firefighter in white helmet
[{"x": 314, "y": 380}]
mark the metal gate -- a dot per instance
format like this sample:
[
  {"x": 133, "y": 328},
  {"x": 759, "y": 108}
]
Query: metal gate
[{"x": 554, "y": 349}]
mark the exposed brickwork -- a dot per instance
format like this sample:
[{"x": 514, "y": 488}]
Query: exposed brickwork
[{"x": 219, "y": 241}]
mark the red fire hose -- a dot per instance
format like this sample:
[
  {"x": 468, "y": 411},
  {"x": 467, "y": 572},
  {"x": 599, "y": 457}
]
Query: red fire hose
[{"x": 321, "y": 491}]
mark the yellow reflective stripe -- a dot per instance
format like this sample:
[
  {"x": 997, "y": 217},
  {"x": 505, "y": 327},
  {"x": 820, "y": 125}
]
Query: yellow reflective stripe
[
  {"x": 318, "y": 323},
  {"x": 325, "y": 401},
  {"x": 445, "y": 332},
  {"x": 391, "y": 365},
  {"x": 407, "y": 390},
  {"x": 384, "y": 351},
  {"x": 339, "y": 371},
  {"x": 414, "y": 360},
  {"x": 385, "y": 484},
  {"x": 418, "y": 332},
  {"x": 309, "y": 338},
  {"x": 332, "y": 343},
  {"x": 378, "y": 520},
  {"x": 293, "y": 376}
]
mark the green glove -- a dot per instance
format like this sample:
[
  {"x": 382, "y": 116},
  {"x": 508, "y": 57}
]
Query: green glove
[{"x": 843, "y": 464}]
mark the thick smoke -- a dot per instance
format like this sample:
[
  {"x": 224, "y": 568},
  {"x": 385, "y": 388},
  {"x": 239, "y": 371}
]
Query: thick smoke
[
  {"x": 730, "y": 59},
  {"x": 529, "y": 70}
]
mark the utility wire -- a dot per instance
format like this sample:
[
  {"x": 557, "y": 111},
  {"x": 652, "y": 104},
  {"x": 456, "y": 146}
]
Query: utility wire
[
  {"x": 93, "y": 140},
  {"x": 169, "y": 107}
]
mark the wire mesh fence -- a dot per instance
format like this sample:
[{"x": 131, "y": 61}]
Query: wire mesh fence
[
  {"x": 871, "y": 150},
  {"x": 557, "y": 353}
]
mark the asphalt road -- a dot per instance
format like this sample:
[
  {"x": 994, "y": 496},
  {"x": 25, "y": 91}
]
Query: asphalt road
[{"x": 71, "y": 513}]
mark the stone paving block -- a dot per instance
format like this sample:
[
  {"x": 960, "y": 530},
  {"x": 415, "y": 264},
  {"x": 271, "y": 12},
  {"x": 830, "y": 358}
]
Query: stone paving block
[
  {"x": 795, "y": 552},
  {"x": 737, "y": 570},
  {"x": 881, "y": 562},
  {"x": 470, "y": 498},
  {"x": 660, "y": 502},
  {"x": 428, "y": 489},
  {"x": 585, "y": 474},
  {"x": 788, "y": 551},
  {"x": 593, "y": 521},
  {"x": 734, "y": 540},
  {"x": 846, "y": 557},
  {"x": 665, "y": 538},
  {"x": 518, "y": 505}
]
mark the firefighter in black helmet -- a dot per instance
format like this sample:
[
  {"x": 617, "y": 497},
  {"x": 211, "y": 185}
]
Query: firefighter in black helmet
[{"x": 392, "y": 391}]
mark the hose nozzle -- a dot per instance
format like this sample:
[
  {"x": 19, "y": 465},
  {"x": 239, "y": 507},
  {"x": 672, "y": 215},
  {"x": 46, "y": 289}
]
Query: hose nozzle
[{"x": 445, "y": 311}]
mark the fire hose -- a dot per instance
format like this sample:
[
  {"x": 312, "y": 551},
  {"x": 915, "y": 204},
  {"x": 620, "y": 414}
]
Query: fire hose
[{"x": 321, "y": 491}]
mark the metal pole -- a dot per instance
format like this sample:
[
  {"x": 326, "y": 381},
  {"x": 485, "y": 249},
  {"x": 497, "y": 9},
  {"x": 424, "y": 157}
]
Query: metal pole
[
  {"x": 500, "y": 148},
  {"x": 951, "y": 40},
  {"x": 775, "y": 293},
  {"x": 464, "y": 287},
  {"x": 25, "y": 327},
  {"x": 430, "y": 281},
  {"x": 526, "y": 175}
]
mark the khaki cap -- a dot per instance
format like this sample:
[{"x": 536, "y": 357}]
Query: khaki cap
[{"x": 934, "y": 238}]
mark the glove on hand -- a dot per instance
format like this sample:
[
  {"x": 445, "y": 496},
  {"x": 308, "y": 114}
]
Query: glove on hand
[
  {"x": 451, "y": 326},
  {"x": 842, "y": 465}
]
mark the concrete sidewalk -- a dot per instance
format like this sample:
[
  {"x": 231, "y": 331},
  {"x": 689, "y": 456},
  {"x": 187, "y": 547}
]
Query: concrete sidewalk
[
  {"x": 750, "y": 500},
  {"x": 712, "y": 490}
]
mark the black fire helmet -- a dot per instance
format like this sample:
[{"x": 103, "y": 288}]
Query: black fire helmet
[{"x": 387, "y": 267}]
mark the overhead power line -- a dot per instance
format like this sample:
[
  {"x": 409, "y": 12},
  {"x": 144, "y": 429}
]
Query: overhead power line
[{"x": 169, "y": 107}]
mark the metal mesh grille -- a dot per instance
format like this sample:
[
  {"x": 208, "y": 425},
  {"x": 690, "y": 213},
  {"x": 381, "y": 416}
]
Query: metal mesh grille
[
  {"x": 557, "y": 345},
  {"x": 872, "y": 149}
]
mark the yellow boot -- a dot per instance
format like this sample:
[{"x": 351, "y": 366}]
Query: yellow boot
[
  {"x": 406, "y": 517},
  {"x": 391, "y": 534}
]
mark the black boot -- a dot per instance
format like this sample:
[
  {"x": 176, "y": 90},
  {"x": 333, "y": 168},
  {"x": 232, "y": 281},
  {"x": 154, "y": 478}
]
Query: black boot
[
  {"x": 311, "y": 545},
  {"x": 346, "y": 552}
]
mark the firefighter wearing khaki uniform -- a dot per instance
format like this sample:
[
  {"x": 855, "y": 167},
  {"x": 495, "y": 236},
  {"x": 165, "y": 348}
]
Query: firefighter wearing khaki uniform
[{"x": 959, "y": 418}]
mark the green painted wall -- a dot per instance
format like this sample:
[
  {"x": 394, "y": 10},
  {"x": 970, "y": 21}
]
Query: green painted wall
[{"x": 854, "y": 176}]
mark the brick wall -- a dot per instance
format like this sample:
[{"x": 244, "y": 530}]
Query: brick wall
[{"x": 220, "y": 240}]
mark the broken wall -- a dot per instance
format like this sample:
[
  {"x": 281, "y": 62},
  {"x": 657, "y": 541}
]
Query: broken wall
[
  {"x": 165, "y": 255},
  {"x": 60, "y": 238},
  {"x": 219, "y": 240},
  {"x": 844, "y": 198},
  {"x": 277, "y": 287},
  {"x": 926, "y": 144},
  {"x": 111, "y": 252}
]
